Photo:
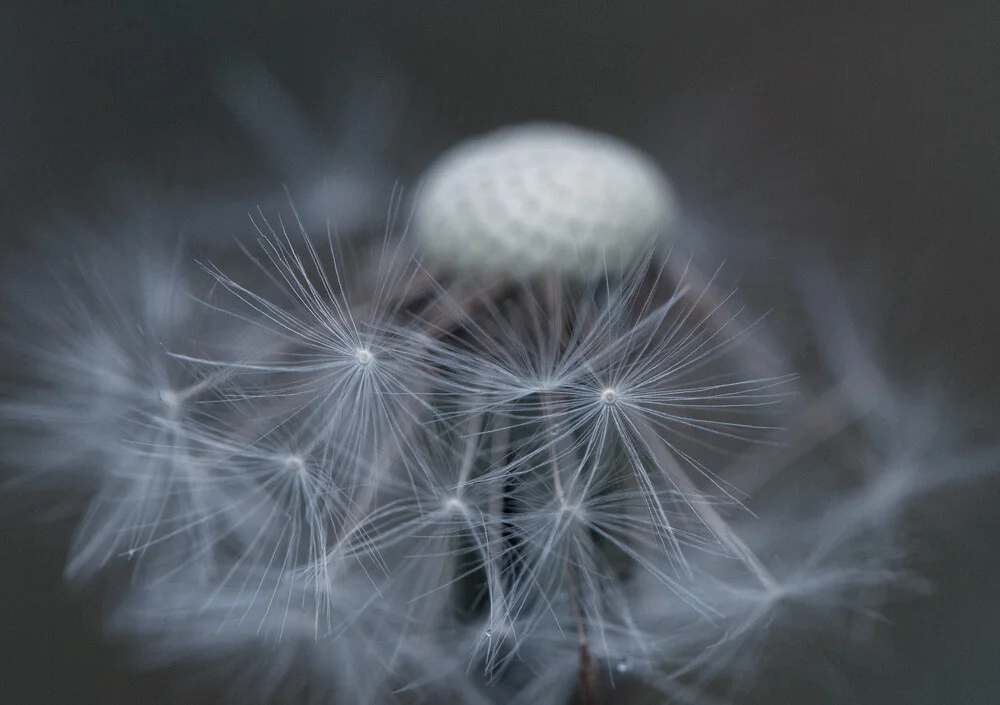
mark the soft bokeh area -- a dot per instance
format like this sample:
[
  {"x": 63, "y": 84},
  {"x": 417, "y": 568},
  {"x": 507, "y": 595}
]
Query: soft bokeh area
[{"x": 865, "y": 133}]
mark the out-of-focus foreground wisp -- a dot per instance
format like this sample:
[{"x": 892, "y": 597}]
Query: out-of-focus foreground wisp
[{"x": 490, "y": 422}]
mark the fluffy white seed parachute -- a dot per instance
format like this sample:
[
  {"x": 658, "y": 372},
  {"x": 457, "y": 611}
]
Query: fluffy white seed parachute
[{"x": 542, "y": 197}]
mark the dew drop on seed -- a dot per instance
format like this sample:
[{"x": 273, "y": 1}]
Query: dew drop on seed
[
  {"x": 609, "y": 396},
  {"x": 622, "y": 666}
]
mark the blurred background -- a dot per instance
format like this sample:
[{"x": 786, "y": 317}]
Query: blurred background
[{"x": 869, "y": 130}]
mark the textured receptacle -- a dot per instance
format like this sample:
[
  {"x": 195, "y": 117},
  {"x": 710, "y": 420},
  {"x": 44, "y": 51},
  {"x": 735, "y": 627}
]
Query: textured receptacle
[{"x": 539, "y": 197}]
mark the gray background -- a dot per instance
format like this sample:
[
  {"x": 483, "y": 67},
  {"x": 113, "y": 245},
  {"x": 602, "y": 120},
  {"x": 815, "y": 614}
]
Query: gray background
[{"x": 892, "y": 108}]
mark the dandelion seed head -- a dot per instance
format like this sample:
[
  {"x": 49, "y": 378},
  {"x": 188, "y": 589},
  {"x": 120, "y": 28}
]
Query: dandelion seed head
[{"x": 407, "y": 480}]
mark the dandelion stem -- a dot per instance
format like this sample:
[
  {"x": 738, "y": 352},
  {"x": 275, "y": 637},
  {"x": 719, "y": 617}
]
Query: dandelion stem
[{"x": 589, "y": 693}]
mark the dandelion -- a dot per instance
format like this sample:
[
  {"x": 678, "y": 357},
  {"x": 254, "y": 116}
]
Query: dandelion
[{"x": 515, "y": 450}]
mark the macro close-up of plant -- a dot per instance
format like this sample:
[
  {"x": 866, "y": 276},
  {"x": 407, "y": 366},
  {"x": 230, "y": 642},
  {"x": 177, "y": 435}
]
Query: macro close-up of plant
[{"x": 521, "y": 428}]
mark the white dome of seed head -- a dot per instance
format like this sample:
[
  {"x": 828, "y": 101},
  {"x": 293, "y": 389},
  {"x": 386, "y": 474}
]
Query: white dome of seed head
[{"x": 542, "y": 197}]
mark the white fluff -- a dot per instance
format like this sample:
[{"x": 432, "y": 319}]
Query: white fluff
[{"x": 338, "y": 479}]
